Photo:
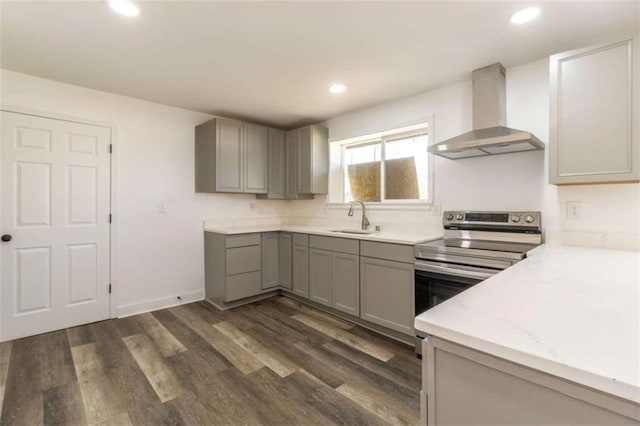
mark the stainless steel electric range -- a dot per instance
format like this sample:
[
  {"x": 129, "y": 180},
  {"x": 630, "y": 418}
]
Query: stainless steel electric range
[{"x": 476, "y": 245}]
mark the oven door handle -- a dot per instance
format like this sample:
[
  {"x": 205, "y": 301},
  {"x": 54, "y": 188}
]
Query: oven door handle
[{"x": 430, "y": 267}]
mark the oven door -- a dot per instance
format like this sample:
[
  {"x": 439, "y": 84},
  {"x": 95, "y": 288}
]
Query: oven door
[{"x": 436, "y": 282}]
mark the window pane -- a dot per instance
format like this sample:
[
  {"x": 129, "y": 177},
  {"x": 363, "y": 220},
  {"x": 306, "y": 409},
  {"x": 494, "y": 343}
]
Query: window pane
[
  {"x": 406, "y": 168},
  {"x": 362, "y": 172}
]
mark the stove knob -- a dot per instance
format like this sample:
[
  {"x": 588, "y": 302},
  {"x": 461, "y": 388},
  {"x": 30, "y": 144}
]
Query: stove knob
[
  {"x": 459, "y": 216},
  {"x": 515, "y": 218},
  {"x": 449, "y": 216},
  {"x": 529, "y": 219}
]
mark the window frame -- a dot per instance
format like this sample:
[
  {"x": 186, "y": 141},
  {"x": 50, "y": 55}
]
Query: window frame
[{"x": 422, "y": 128}]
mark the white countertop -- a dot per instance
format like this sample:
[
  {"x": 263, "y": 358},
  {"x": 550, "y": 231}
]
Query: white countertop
[
  {"x": 384, "y": 236},
  {"x": 567, "y": 311}
]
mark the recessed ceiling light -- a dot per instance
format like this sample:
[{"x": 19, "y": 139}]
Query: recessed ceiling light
[
  {"x": 525, "y": 15},
  {"x": 124, "y": 7},
  {"x": 337, "y": 88}
]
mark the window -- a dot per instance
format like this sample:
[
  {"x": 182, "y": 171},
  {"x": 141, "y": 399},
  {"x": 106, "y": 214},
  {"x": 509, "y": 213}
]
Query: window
[{"x": 392, "y": 168}]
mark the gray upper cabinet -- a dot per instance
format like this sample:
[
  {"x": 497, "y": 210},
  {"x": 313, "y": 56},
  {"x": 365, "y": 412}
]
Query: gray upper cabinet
[
  {"x": 277, "y": 162},
  {"x": 256, "y": 159},
  {"x": 228, "y": 156},
  {"x": 292, "y": 164},
  {"x": 231, "y": 156},
  {"x": 593, "y": 130},
  {"x": 307, "y": 162},
  {"x": 313, "y": 160}
]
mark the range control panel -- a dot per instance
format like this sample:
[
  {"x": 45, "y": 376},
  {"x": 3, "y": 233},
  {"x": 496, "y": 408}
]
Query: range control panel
[{"x": 489, "y": 219}]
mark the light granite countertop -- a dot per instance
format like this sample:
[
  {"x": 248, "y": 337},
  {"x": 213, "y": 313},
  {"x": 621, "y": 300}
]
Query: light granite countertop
[
  {"x": 384, "y": 236},
  {"x": 567, "y": 311}
]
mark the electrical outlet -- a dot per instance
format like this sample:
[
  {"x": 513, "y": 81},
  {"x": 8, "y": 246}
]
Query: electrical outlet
[
  {"x": 161, "y": 208},
  {"x": 574, "y": 209},
  {"x": 435, "y": 209}
]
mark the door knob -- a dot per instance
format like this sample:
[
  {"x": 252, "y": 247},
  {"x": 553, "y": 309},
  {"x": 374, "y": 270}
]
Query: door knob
[{"x": 6, "y": 238}]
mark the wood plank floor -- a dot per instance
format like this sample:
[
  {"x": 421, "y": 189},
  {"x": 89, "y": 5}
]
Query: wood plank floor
[{"x": 274, "y": 362}]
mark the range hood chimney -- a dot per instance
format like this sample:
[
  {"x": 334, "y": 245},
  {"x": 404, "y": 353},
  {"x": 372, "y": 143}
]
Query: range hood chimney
[{"x": 489, "y": 135}]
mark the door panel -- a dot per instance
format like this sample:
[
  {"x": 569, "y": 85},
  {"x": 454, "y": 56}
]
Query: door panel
[
  {"x": 83, "y": 269},
  {"x": 256, "y": 154},
  {"x": 82, "y": 183},
  {"x": 345, "y": 282},
  {"x": 284, "y": 260},
  {"x": 33, "y": 279},
  {"x": 56, "y": 204},
  {"x": 229, "y": 156},
  {"x": 320, "y": 276},
  {"x": 33, "y": 194},
  {"x": 301, "y": 271}
]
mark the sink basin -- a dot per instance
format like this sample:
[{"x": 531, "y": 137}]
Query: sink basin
[{"x": 353, "y": 231}]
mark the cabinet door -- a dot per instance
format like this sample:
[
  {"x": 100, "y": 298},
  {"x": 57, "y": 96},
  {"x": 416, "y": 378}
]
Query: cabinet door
[
  {"x": 386, "y": 294},
  {"x": 270, "y": 275},
  {"x": 256, "y": 164},
  {"x": 229, "y": 156},
  {"x": 291, "y": 171},
  {"x": 591, "y": 137},
  {"x": 284, "y": 260},
  {"x": 276, "y": 164},
  {"x": 320, "y": 276},
  {"x": 300, "y": 278},
  {"x": 304, "y": 163},
  {"x": 345, "y": 282}
]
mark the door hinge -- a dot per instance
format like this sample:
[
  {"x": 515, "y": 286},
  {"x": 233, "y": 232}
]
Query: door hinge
[
  {"x": 110, "y": 217},
  {"x": 109, "y": 288},
  {"x": 110, "y": 148}
]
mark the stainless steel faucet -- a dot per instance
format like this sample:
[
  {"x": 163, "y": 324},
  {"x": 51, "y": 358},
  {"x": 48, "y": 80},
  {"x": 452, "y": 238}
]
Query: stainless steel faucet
[{"x": 365, "y": 221}]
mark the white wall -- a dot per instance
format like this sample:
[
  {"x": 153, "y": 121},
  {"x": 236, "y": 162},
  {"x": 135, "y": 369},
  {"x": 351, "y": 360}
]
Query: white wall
[
  {"x": 160, "y": 256},
  {"x": 610, "y": 213}
]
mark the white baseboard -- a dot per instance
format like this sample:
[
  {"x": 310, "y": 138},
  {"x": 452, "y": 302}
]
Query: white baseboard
[{"x": 161, "y": 303}]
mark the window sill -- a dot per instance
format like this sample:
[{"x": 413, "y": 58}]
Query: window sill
[{"x": 423, "y": 206}]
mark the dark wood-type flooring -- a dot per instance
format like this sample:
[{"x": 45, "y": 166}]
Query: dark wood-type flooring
[{"x": 274, "y": 362}]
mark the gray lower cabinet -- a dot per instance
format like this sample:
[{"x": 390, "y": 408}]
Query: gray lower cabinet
[
  {"x": 387, "y": 293},
  {"x": 232, "y": 266},
  {"x": 593, "y": 135},
  {"x": 270, "y": 260},
  {"x": 345, "y": 282},
  {"x": 231, "y": 156},
  {"x": 300, "y": 267},
  {"x": 334, "y": 273},
  {"x": 466, "y": 386},
  {"x": 285, "y": 259},
  {"x": 320, "y": 276}
]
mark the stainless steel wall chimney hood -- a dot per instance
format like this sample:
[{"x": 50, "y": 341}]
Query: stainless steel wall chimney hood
[{"x": 489, "y": 135}]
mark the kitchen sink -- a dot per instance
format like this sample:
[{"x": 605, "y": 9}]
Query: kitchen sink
[{"x": 353, "y": 231}]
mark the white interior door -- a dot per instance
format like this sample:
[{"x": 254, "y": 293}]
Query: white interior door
[{"x": 55, "y": 206}]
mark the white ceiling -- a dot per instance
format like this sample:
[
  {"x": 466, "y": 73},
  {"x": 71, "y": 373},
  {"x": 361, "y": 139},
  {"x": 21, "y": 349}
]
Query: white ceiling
[{"x": 272, "y": 62}]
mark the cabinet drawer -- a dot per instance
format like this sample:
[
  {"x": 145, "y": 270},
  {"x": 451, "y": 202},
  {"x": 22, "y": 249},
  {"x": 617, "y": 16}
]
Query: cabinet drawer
[
  {"x": 243, "y": 259},
  {"x": 342, "y": 245},
  {"x": 243, "y": 240},
  {"x": 301, "y": 240},
  {"x": 242, "y": 285},
  {"x": 386, "y": 251}
]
